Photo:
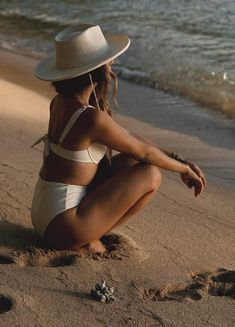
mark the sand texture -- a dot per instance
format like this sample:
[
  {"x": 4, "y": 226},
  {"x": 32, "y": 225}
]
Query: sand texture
[{"x": 172, "y": 265}]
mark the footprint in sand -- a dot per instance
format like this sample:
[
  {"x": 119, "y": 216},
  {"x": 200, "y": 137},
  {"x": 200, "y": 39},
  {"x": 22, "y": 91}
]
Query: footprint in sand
[
  {"x": 177, "y": 292},
  {"x": 119, "y": 247},
  {"x": 33, "y": 256},
  {"x": 5, "y": 304},
  {"x": 217, "y": 283}
]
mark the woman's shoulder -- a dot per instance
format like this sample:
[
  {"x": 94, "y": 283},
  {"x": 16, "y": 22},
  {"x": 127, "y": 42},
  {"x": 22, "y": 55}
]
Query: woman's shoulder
[
  {"x": 53, "y": 102},
  {"x": 96, "y": 117}
]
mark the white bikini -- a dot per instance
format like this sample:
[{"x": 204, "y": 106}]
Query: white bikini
[{"x": 52, "y": 198}]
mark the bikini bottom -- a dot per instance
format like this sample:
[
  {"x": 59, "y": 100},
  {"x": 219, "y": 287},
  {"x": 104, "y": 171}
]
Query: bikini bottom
[{"x": 52, "y": 198}]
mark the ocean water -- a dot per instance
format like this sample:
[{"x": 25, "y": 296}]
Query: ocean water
[{"x": 179, "y": 46}]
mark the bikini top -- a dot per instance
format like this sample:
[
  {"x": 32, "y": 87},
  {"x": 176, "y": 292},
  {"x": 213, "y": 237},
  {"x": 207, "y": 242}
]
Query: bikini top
[{"x": 93, "y": 154}]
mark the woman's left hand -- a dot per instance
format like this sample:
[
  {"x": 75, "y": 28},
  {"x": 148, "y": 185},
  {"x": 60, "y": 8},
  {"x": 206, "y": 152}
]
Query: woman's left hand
[
  {"x": 190, "y": 182},
  {"x": 198, "y": 171}
]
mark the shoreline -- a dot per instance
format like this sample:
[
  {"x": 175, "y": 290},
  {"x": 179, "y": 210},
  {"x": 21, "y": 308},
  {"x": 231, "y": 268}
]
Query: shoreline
[
  {"x": 163, "y": 250},
  {"x": 223, "y": 114}
]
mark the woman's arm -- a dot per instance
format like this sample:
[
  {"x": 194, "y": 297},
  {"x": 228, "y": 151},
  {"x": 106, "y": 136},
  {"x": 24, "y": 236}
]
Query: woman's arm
[
  {"x": 105, "y": 130},
  {"x": 173, "y": 155},
  {"x": 144, "y": 140}
]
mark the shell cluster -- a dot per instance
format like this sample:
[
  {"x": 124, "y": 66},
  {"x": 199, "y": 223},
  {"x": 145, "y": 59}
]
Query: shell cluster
[{"x": 103, "y": 293}]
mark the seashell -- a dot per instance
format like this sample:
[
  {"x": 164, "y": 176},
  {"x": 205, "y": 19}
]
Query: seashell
[
  {"x": 110, "y": 299},
  {"x": 103, "y": 293},
  {"x": 103, "y": 298}
]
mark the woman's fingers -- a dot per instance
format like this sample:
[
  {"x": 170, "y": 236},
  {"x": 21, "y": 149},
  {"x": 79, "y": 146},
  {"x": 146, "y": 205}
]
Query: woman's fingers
[
  {"x": 198, "y": 189},
  {"x": 197, "y": 183},
  {"x": 200, "y": 174},
  {"x": 186, "y": 180},
  {"x": 198, "y": 171},
  {"x": 192, "y": 179}
]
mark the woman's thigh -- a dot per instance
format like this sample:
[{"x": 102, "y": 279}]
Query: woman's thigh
[
  {"x": 119, "y": 162},
  {"x": 64, "y": 229},
  {"x": 105, "y": 205}
]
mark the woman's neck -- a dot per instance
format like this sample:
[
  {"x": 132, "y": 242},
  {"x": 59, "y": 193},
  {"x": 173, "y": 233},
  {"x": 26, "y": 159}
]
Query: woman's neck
[{"x": 84, "y": 96}]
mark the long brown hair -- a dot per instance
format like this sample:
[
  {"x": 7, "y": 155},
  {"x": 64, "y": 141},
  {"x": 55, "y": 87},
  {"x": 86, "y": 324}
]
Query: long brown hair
[{"x": 103, "y": 76}]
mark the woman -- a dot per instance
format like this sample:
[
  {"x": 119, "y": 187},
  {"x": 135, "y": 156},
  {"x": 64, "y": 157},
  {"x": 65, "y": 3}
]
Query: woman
[{"x": 83, "y": 191}]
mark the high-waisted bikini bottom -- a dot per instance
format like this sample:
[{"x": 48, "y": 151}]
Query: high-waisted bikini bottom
[{"x": 52, "y": 198}]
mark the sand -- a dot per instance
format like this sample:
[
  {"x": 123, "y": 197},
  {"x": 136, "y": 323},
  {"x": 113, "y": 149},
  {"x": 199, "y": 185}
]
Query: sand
[{"x": 171, "y": 265}]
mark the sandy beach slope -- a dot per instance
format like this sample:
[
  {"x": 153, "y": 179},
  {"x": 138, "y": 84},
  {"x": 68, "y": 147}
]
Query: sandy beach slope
[{"x": 172, "y": 265}]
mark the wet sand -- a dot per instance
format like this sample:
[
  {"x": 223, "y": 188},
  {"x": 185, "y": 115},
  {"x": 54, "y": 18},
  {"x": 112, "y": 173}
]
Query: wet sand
[{"x": 171, "y": 265}]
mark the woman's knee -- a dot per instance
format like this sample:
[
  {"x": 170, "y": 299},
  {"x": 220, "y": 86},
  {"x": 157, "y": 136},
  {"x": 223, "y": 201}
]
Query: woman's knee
[{"x": 153, "y": 176}]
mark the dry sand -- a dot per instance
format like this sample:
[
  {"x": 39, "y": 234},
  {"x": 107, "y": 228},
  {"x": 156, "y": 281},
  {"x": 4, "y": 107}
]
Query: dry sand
[{"x": 171, "y": 265}]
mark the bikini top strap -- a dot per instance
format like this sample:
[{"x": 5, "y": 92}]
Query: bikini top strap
[{"x": 71, "y": 122}]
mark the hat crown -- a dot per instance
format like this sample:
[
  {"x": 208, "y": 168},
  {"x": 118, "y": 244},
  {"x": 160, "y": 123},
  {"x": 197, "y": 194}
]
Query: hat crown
[{"x": 81, "y": 44}]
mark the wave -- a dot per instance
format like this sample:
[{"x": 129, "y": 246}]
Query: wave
[
  {"x": 213, "y": 90},
  {"x": 16, "y": 22},
  {"x": 31, "y": 35}
]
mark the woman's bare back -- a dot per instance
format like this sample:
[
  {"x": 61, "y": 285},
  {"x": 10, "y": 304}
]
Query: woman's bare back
[{"x": 56, "y": 168}]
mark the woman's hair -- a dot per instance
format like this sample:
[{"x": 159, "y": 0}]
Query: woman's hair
[{"x": 103, "y": 76}]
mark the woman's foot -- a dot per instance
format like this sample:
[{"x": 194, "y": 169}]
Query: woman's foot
[{"x": 95, "y": 247}]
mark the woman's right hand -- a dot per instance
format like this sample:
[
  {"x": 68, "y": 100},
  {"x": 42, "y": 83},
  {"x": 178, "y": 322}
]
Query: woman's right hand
[{"x": 191, "y": 179}]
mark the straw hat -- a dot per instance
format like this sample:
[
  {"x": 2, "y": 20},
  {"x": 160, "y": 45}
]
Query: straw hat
[{"x": 79, "y": 50}]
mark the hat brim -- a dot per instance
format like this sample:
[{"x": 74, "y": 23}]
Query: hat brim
[{"x": 46, "y": 70}]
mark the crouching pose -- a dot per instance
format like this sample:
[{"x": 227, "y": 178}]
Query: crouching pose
[{"x": 83, "y": 191}]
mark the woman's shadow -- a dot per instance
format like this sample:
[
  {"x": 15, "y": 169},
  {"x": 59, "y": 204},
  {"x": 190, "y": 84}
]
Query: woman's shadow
[
  {"x": 21, "y": 245},
  {"x": 18, "y": 237}
]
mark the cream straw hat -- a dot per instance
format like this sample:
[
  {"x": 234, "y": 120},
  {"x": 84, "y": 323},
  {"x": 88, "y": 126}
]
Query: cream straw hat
[{"x": 79, "y": 50}]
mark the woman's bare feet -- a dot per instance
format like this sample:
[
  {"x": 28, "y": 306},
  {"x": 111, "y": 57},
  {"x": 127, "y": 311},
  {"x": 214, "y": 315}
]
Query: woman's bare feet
[{"x": 95, "y": 247}]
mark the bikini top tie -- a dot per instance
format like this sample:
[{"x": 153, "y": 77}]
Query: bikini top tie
[{"x": 93, "y": 154}]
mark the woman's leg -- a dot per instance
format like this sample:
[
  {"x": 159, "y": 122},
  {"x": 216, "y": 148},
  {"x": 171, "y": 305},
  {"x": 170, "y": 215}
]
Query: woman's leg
[
  {"x": 121, "y": 161},
  {"x": 97, "y": 246},
  {"x": 114, "y": 201},
  {"x": 140, "y": 204},
  {"x": 109, "y": 204}
]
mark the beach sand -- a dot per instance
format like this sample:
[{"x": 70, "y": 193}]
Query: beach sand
[{"x": 171, "y": 265}]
